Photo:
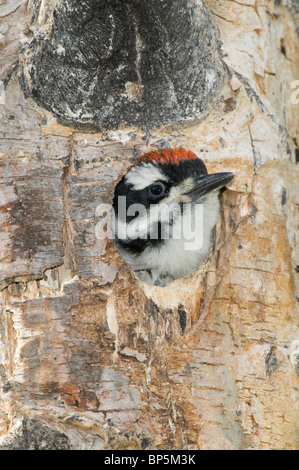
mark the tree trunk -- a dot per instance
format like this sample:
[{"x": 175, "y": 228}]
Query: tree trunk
[{"x": 91, "y": 357}]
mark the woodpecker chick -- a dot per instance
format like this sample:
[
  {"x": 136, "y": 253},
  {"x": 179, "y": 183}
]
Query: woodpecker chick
[{"x": 166, "y": 208}]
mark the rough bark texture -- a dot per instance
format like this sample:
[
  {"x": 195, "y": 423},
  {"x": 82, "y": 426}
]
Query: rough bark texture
[{"x": 91, "y": 358}]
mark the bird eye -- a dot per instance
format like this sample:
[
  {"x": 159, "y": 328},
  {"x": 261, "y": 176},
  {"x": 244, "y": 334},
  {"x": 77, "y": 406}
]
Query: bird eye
[{"x": 157, "y": 189}]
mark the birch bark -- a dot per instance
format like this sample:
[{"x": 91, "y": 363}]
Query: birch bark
[{"x": 90, "y": 357}]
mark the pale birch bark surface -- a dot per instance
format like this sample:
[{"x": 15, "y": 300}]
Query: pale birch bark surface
[{"x": 91, "y": 358}]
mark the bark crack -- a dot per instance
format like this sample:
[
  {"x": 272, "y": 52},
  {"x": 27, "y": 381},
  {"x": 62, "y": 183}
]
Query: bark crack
[{"x": 69, "y": 231}]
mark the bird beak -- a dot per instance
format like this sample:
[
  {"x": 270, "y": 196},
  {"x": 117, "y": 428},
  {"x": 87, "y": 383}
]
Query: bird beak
[{"x": 207, "y": 183}]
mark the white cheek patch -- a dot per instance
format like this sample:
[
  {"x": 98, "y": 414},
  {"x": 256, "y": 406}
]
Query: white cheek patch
[
  {"x": 144, "y": 175},
  {"x": 176, "y": 193}
]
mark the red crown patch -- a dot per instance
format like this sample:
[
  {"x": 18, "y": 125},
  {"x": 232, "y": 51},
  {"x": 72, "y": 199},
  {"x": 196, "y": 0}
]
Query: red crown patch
[{"x": 168, "y": 156}]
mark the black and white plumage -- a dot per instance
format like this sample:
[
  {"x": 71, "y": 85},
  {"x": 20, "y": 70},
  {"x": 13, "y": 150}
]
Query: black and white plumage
[{"x": 169, "y": 186}]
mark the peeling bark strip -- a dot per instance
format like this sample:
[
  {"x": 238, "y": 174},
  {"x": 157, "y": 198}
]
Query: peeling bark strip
[
  {"x": 106, "y": 63},
  {"x": 91, "y": 358},
  {"x": 31, "y": 221}
]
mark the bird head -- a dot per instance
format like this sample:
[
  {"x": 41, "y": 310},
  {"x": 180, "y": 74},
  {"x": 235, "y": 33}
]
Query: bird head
[{"x": 162, "y": 181}]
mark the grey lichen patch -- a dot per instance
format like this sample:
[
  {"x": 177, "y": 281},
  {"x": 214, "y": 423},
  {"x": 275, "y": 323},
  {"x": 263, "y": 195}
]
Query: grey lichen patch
[
  {"x": 33, "y": 434},
  {"x": 109, "y": 62}
]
